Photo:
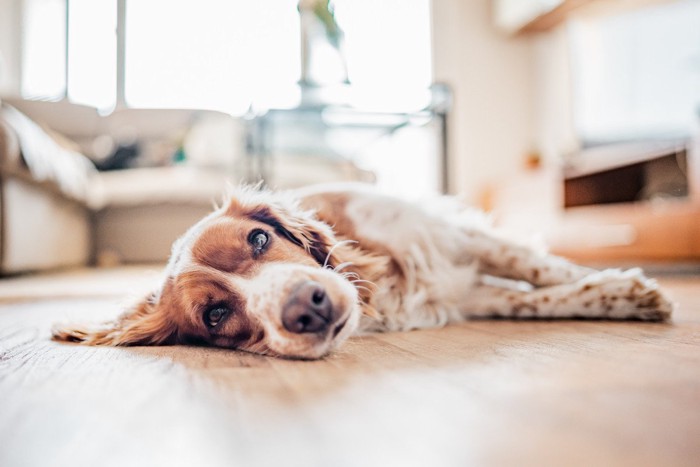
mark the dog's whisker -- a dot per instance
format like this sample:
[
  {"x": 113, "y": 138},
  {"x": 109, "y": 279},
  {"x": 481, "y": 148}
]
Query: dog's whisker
[
  {"x": 363, "y": 281},
  {"x": 362, "y": 287},
  {"x": 342, "y": 266},
  {"x": 338, "y": 244}
]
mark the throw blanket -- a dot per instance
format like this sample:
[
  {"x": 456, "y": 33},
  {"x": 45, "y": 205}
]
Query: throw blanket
[{"x": 46, "y": 160}]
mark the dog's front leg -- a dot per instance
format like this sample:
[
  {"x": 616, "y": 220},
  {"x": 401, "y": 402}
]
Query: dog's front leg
[
  {"x": 610, "y": 294},
  {"x": 503, "y": 258}
]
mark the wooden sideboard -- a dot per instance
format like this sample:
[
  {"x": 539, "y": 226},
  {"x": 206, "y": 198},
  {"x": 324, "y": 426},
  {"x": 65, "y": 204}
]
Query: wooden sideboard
[{"x": 576, "y": 212}]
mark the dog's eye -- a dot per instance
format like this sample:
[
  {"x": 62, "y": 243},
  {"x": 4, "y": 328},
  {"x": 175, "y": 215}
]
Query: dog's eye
[
  {"x": 214, "y": 315},
  {"x": 259, "y": 240}
]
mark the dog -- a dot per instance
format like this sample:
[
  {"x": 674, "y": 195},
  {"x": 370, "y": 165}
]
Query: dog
[{"x": 294, "y": 274}]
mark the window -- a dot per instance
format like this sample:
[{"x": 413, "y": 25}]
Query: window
[
  {"x": 210, "y": 53},
  {"x": 388, "y": 51},
  {"x": 218, "y": 54},
  {"x": 44, "y": 49},
  {"x": 92, "y": 52},
  {"x": 637, "y": 75}
]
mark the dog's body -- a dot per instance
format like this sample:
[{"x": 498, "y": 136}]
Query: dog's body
[{"x": 295, "y": 273}]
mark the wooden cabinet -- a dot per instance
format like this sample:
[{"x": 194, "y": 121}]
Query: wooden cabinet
[{"x": 616, "y": 213}]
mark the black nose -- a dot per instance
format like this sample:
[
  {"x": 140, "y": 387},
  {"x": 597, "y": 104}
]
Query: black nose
[{"x": 308, "y": 309}]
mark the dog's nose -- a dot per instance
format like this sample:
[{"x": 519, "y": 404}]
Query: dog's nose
[{"x": 308, "y": 309}]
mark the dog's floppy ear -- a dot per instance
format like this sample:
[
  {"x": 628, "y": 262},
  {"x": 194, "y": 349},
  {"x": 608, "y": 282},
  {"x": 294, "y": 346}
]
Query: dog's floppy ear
[{"x": 144, "y": 324}]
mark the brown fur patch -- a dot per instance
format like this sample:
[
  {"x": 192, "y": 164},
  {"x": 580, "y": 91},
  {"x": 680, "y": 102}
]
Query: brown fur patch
[
  {"x": 197, "y": 291},
  {"x": 301, "y": 228},
  {"x": 224, "y": 246}
]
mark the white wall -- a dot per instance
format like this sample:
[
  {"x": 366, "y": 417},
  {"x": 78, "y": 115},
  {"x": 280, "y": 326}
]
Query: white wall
[
  {"x": 492, "y": 77},
  {"x": 10, "y": 60},
  {"x": 555, "y": 133}
]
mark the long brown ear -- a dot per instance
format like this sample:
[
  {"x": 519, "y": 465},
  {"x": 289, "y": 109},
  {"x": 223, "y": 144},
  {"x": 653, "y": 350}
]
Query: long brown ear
[{"x": 144, "y": 324}]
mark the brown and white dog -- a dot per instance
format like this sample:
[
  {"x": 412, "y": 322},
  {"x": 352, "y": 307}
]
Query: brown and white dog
[{"x": 294, "y": 274}]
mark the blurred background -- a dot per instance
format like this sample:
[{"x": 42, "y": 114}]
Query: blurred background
[{"x": 122, "y": 121}]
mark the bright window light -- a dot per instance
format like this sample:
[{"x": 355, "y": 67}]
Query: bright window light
[
  {"x": 212, "y": 54},
  {"x": 221, "y": 54},
  {"x": 637, "y": 74},
  {"x": 44, "y": 51},
  {"x": 92, "y": 49},
  {"x": 387, "y": 47}
]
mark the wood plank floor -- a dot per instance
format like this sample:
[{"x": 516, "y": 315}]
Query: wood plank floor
[{"x": 479, "y": 393}]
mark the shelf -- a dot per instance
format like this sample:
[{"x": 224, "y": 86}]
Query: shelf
[
  {"x": 544, "y": 19},
  {"x": 552, "y": 18}
]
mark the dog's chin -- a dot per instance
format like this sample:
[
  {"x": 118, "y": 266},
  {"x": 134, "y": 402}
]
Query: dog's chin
[{"x": 316, "y": 346}]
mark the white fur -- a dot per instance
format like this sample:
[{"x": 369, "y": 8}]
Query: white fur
[
  {"x": 430, "y": 264},
  {"x": 447, "y": 255},
  {"x": 267, "y": 291}
]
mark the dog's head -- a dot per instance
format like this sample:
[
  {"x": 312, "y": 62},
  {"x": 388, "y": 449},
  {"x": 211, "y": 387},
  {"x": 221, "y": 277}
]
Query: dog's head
[{"x": 257, "y": 275}]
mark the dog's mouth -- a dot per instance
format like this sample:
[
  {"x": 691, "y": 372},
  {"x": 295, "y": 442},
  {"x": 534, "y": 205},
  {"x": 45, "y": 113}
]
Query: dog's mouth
[
  {"x": 314, "y": 345},
  {"x": 310, "y": 312},
  {"x": 339, "y": 327}
]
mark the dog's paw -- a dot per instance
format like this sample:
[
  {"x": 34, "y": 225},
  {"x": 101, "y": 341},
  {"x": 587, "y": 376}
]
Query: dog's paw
[
  {"x": 648, "y": 298},
  {"x": 631, "y": 295}
]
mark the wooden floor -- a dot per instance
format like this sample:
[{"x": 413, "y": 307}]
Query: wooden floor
[{"x": 480, "y": 393}]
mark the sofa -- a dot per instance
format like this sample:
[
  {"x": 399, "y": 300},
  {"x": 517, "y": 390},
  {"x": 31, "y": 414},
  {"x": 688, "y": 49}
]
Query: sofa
[
  {"x": 57, "y": 210},
  {"x": 43, "y": 224}
]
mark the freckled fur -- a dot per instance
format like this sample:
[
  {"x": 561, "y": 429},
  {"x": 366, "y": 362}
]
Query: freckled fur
[{"x": 385, "y": 264}]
